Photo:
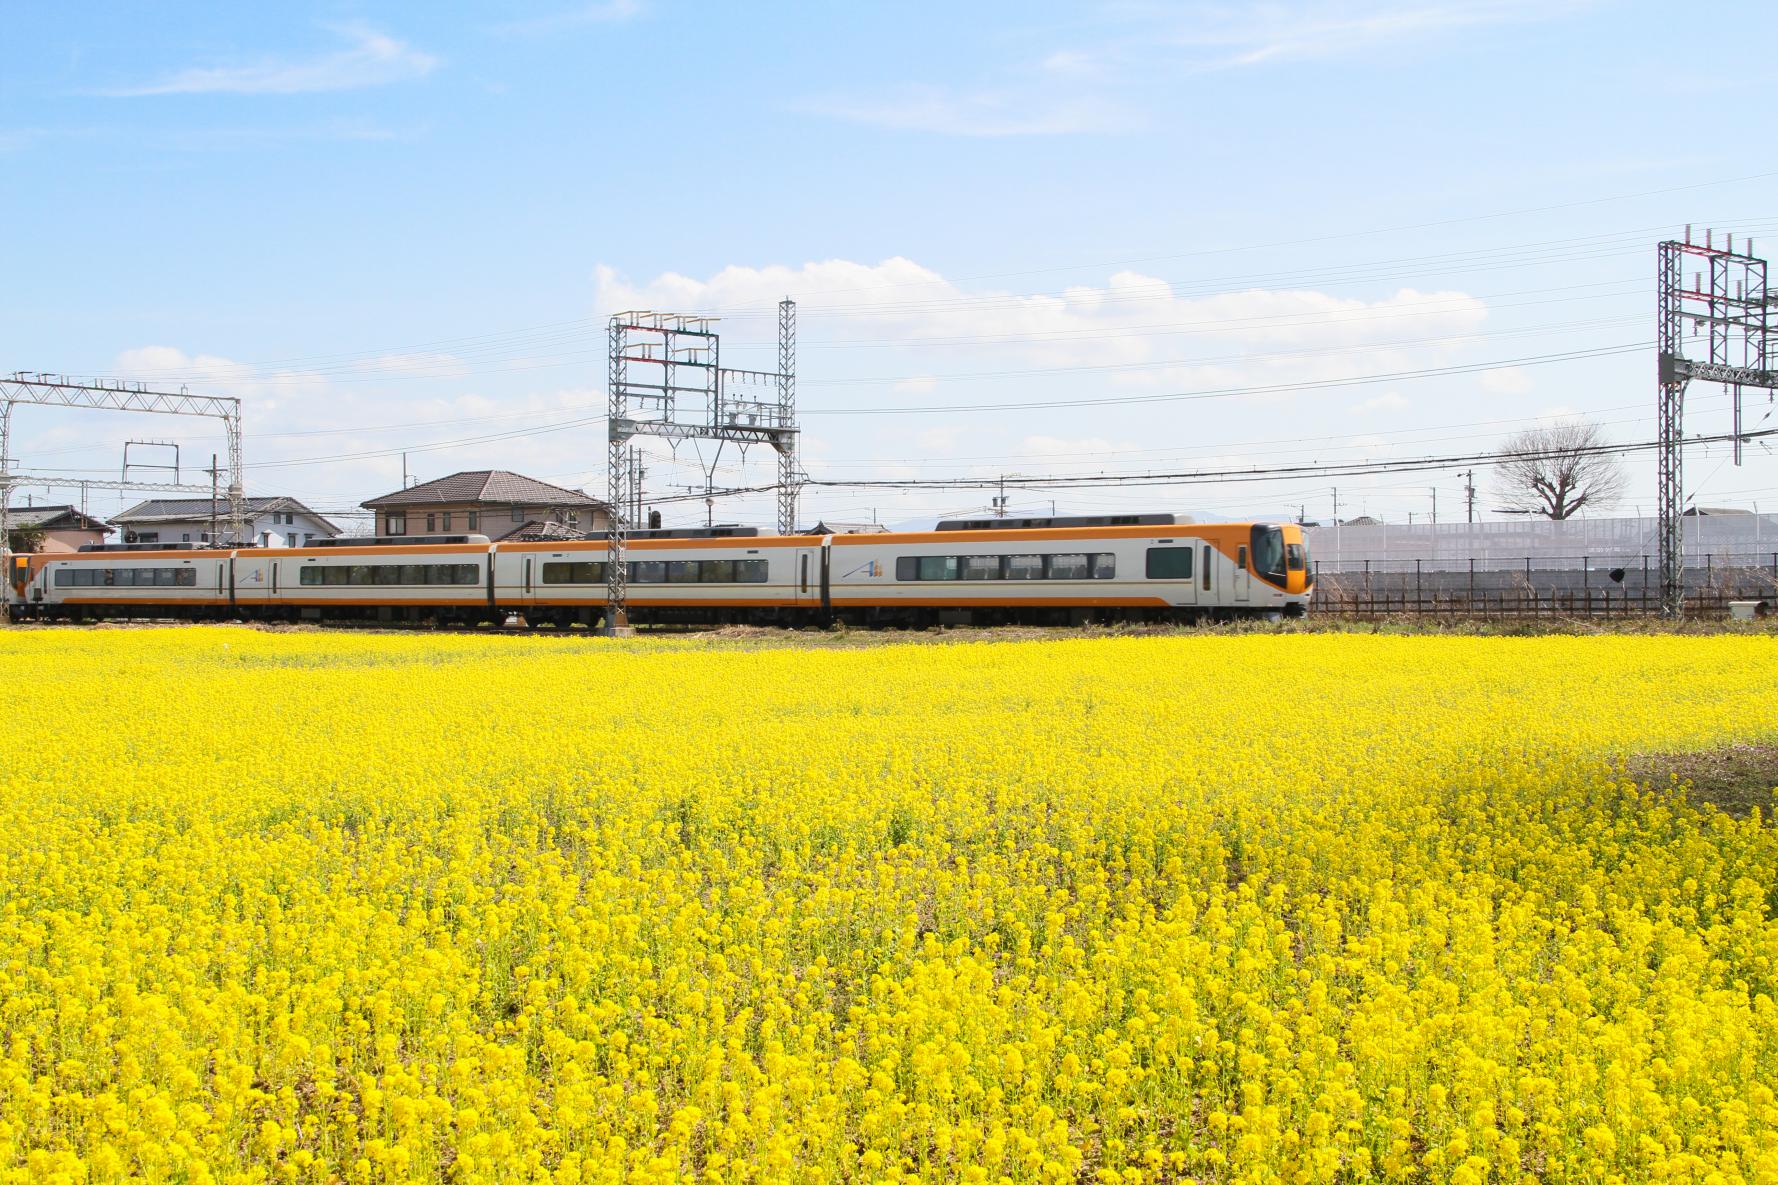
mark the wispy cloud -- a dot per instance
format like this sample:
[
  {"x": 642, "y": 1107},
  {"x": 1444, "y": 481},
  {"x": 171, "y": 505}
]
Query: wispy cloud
[
  {"x": 1323, "y": 29},
  {"x": 603, "y": 12},
  {"x": 369, "y": 58},
  {"x": 986, "y": 112},
  {"x": 226, "y": 139},
  {"x": 1102, "y": 81}
]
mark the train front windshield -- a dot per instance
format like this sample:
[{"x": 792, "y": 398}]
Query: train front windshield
[{"x": 1268, "y": 553}]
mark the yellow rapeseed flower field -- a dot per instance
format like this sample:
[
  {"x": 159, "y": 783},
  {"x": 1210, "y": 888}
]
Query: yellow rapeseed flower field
[{"x": 311, "y": 908}]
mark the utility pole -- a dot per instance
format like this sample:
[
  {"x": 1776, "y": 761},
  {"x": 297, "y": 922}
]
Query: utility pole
[
  {"x": 1000, "y": 502},
  {"x": 1469, "y": 492},
  {"x": 1435, "y": 506},
  {"x": 212, "y": 498}
]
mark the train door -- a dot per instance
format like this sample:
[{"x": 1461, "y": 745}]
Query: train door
[{"x": 1243, "y": 576}]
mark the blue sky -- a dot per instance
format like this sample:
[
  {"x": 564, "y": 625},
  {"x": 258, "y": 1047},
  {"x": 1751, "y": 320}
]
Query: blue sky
[{"x": 397, "y": 226}]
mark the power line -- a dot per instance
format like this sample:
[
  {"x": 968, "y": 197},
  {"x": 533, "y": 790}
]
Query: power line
[{"x": 1236, "y": 392}]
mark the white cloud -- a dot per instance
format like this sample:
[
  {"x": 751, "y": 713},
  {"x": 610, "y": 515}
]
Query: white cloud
[
  {"x": 606, "y": 12},
  {"x": 1135, "y": 330},
  {"x": 952, "y": 111},
  {"x": 939, "y": 440},
  {"x": 1387, "y": 402},
  {"x": 1106, "y": 82},
  {"x": 1323, "y": 29},
  {"x": 1509, "y": 380},
  {"x": 369, "y": 59}
]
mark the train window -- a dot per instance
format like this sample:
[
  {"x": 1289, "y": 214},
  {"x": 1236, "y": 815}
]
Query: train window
[
  {"x": 980, "y": 567},
  {"x": 309, "y": 575},
  {"x": 64, "y": 578},
  {"x": 1024, "y": 567},
  {"x": 938, "y": 567},
  {"x": 907, "y": 567},
  {"x": 166, "y": 577},
  {"x": 649, "y": 572},
  {"x": 186, "y": 577},
  {"x": 682, "y": 571},
  {"x": 1068, "y": 566},
  {"x": 582, "y": 572},
  {"x": 750, "y": 571},
  {"x": 1296, "y": 557},
  {"x": 1104, "y": 566},
  {"x": 1169, "y": 563},
  {"x": 334, "y": 576},
  {"x": 716, "y": 571}
]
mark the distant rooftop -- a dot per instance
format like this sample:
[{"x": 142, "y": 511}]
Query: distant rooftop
[
  {"x": 490, "y": 486},
  {"x": 185, "y": 510},
  {"x": 54, "y": 518}
]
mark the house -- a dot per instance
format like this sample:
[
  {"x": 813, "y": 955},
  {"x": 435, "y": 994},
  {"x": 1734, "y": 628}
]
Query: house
[
  {"x": 64, "y": 528},
  {"x": 271, "y": 522},
  {"x": 489, "y": 502}
]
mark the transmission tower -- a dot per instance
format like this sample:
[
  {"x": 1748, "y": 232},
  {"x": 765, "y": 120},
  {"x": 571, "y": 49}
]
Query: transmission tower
[
  {"x": 667, "y": 380},
  {"x": 1729, "y": 296}
]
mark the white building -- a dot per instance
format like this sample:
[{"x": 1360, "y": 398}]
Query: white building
[{"x": 271, "y": 522}]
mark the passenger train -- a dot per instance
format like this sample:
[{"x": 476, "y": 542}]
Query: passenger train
[{"x": 1145, "y": 567}]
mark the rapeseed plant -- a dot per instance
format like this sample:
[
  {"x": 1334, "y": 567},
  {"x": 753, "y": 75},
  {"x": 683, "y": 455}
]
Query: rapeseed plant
[{"x": 316, "y": 908}]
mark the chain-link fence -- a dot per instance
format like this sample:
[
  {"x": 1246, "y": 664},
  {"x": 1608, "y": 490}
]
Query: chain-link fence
[{"x": 1565, "y": 585}]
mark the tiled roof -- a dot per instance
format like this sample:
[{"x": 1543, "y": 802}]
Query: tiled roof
[
  {"x": 54, "y": 518},
  {"x": 473, "y": 486},
  {"x": 183, "y": 510}
]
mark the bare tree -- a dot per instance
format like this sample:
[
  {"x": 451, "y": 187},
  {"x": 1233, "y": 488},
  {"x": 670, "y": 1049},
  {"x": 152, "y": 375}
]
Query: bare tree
[{"x": 1559, "y": 470}]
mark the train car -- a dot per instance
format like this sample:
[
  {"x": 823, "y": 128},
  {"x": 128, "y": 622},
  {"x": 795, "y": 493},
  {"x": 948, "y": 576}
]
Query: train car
[
  {"x": 130, "y": 580},
  {"x": 726, "y": 575},
  {"x": 1071, "y": 571},
  {"x": 442, "y": 579},
  {"x": 1046, "y": 571}
]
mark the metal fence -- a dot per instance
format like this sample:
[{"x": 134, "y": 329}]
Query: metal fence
[
  {"x": 1510, "y": 541},
  {"x": 1562, "y": 585}
]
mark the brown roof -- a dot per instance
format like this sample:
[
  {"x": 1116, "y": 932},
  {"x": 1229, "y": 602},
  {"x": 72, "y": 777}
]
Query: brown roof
[{"x": 488, "y": 486}]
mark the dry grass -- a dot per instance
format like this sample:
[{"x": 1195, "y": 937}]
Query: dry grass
[{"x": 1733, "y": 778}]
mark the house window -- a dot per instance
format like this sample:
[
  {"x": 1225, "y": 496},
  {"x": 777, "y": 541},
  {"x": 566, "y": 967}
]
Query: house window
[
  {"x": 431, "y": 523},
  {"x": 475, "y": 520},
  {"x": 447, "y": 521},
  {"x": 518, "y": 514},
  {"x": 395, "y": 524},
  {"x": 185, "y": 538}
]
